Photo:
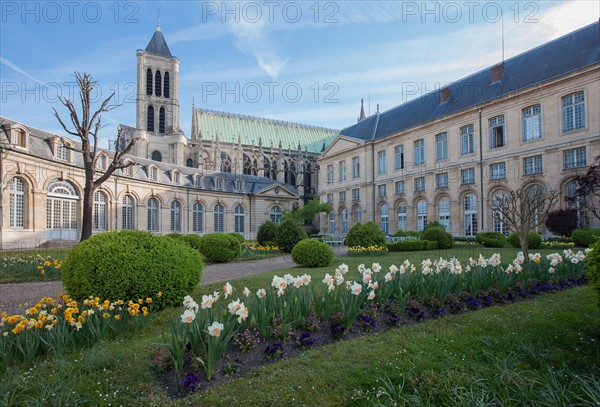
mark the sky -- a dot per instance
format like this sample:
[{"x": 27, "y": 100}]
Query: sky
[{"x": 300, "y": 61}]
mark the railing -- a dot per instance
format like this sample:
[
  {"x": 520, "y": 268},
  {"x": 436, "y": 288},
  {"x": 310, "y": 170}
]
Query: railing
[
  {"x": 395, "y": 239},
  {"x": 334, "y": 240}
]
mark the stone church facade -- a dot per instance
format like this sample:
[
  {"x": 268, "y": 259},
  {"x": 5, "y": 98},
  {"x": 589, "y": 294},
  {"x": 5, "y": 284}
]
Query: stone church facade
[{"x": 231, "y": 175}]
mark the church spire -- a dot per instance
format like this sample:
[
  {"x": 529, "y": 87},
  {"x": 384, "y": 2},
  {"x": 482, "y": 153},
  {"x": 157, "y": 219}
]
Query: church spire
[
  {"x": 158, "y": 21},
  {"x": 362, "y": 111}
]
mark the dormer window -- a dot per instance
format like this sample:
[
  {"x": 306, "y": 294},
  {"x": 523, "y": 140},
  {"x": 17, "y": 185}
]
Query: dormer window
[
  {"x": 153, "y": 173},
  {"x": 219, "y": 183},
  {"x": 239, "y": 186},
  {"x": 102, "y": 162},
  {"x": 20, "y": 138},
  {"x": 63, "y": 150},
  {"x": 176, "y": 177},
  {"x": 198, "y": 181}
]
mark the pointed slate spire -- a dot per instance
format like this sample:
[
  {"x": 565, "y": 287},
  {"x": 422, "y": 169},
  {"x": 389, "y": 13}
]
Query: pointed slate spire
[
  {"x": 158, "y": 44},
  {"x": 362, "y": 111}
]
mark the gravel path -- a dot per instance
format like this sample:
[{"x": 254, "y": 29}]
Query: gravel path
[{"x": 16, "y": 298}]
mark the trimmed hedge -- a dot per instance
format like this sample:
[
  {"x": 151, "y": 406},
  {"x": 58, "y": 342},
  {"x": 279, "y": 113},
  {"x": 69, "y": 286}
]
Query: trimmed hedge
[
  {"x": 412, "y": 245},
  {"x": 593, "y": 268},
  {"x": 585, "y": 237},
  {"x": 312, "y": 253},
  {"x": 220, "y": 247},
  {"x": 266, "y": 232},
  {"x": 239, "y": 237},
  {"x": 491, "y": 239},
  {"x": 439, "y": 235},
  {"x": 289, "y": 232},
  {"x": 130, "y": 264},
  {"x": 534, "y": 240},
  {"x": 365, "y": 235}
]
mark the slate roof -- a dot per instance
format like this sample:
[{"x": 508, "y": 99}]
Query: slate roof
[
  {"x": 158, "y": 45},
  {"x": 229, "y": 126},
  {"x": 39, "y": 145},
  {"x": 556, "y": 58}
]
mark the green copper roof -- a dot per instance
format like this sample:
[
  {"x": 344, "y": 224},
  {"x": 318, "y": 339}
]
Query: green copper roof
[{"x": 229, "y": 127}]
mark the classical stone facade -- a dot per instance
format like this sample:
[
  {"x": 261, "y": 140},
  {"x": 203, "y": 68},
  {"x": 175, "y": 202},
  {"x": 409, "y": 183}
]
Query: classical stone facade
[
  {"x": 220, "y": 179},
  {"x": 531, "y": 121}
]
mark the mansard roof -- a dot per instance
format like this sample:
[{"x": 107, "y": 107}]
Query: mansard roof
[
  {"x": 40, "y": 146},
  {"x": 158, "y": 45},
  {"x": 228, "y": 127},
  {"x": 572, "y": 52}
]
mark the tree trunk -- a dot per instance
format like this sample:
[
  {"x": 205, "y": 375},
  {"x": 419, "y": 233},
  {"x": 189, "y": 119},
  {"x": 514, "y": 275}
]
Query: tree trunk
[
  {"x": 87, "y": 217},
  {"x": 524, "y": 246}
]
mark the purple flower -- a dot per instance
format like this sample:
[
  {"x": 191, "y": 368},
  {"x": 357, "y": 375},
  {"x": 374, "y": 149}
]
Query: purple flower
[{"x": 190, "y": 381}]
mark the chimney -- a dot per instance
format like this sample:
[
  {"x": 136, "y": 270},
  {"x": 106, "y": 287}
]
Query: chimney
[
  {"x": 445, "y": 95},
  {"x": 497, "y": 72}
]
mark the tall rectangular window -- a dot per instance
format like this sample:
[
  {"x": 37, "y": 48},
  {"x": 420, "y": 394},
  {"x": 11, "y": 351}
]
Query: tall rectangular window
[
  {"x": 574, "y": 158},
  {"x": 382, "y": 190},
  {"x": 330, "y": 199},
  {"x": 355, "y": 167},
  {"x": 342, "y": 196},
  {"x": 498, "y": 170},
  {"x": 356, "y": 194},
  {"x": 342, "y": 171},
  {"x": 573, "y": 111},
  {"x": 332, "y": 222},
  {"x": 467, "y": 175},
  {"x": 330, "y": 174},
  {"x": 532, "y": 165},
  {"x": 419, "y": 184},
  {"x": 497, "y": 133},
  {"x": 399, "y": 157},
  {"x": 401, "y": 217},
  {"x": 532, "y": 123},
  {"x": 381, "y": 162},
  {"x": 399, "y": 186},
  {"x": 467, "y": 139},
  {"x": 441, "y": 146},
  {"x": 441, "y": 180},
  {"x": 419, "y": 152}
]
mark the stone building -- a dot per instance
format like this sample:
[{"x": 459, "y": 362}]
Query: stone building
[
  {"x": 531, "y": 121},
  {"x": 232, "y": 174}
]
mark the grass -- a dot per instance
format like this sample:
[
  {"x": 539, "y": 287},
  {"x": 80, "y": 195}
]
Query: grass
[{"x": 528, "y": 353}]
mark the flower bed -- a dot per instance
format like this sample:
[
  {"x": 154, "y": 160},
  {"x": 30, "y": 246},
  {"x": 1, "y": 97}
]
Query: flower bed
[
  {"x": 359, "y": 251},
  {"x": 18, "y": 268},
  {"x": 295, "y": 314}
]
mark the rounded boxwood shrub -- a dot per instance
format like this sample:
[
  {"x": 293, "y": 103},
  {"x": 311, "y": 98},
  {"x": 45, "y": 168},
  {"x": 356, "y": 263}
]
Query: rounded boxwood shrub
[
  {"x": 534, "y": 240},
  {"x": 444, "y": 239},
  {"x": 593, "y": 268},
  {"x": 239, "y": 237},
  {"x": 194, "y": 241},
  {"x": 129, "y": 265},
  {"x": 312, "y": 253},
  {"x": 585, "y": 237},
  {"x": 266, "y": 232},
  {"x": 491, "y": 239},
  {"x": 220, "y": 247},
  {"x": 289, "y": 232},
  {"x": 366, "y": 235}
]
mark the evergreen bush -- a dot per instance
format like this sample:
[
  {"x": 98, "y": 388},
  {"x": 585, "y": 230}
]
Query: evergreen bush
[
  {"x": 439, "y": 235},
  {"x": 366, "y": 235},
  {"x": 534, "y": 240},
  {"x": 130, "y": 264},
  {"x": 289, "y": 232},
  {"x": 220, "y": 247},
  {"x": 491, "y": 239},
  {"x": 412, "y": 245},
  {"x": 585, "y": 237},
  {"x": 312, "y": 253},
  {"x": 266, "y": 232}
]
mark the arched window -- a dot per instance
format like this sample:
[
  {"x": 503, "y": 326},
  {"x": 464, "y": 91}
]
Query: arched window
[
  {"x": 331, "y": 222},
  {"x": 344, "y": 218},
  {"x": 166, "y": 92},
  {"x": 189, "y": 163},
  {"x": 17, "y": 203},
  {"x": 498, "y": 224},
  {"x": 574, "y": 201},
  {"x": 535, "y": 193},
  {"x": 127, "y": 212},
  {"x": 175, "y": 216},
  {"x": 62, "y": 211},
  {"x": 357, "y": 214},
  {"x": 100, "y": 210},
  {"x": 401, "y": 217},
  {"x": 157, "y": 84},
  {"x": 198, "y": 218},
  {"x": 239, "y": 219},
  {"x": 161, "y": 120},
  {"x": 150, "y": 119},
  {"x": 219, "y": 215},
  {"x": 225, "y": 163},
  {"x": 156, "y": 156},
  {"x": 444, "y": 213},
  {"x": 275, "y": 215},
  {"x": 470, "y": 210},
  {"x": 153, "y": 215},
  {"x": 384, "y": 218},
  {"x": 421, "y": 215},
  {"x": 149, "y": 82}
]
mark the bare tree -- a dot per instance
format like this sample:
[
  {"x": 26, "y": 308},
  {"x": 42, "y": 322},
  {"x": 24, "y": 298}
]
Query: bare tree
[
  {"x": 587, "y": 193},
  {"x": 524, "y": 210},
  {"x": 85, "y": 127}
]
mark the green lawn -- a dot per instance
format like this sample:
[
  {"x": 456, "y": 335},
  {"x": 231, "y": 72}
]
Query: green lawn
[{"x": 537, "y": 352}]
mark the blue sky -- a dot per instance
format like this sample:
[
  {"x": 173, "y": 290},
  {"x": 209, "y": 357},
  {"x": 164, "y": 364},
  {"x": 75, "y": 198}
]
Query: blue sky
[{"x": 307, "y": 62}]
